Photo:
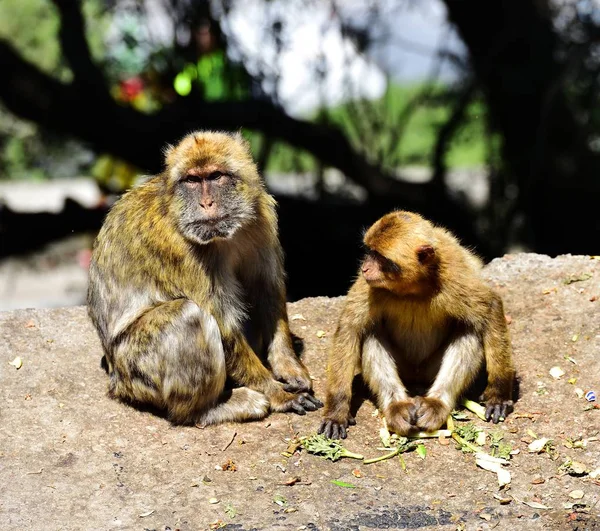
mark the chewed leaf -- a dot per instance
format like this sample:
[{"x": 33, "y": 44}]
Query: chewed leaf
[
  {"x": 538, "y": 445},
  {"x": 536, "y": 505},
  {"x": 17, "y": 363},
  {"x": 503, "y": 477},
  {"x": 343, "y": 484},
  {"x": 421, "y": 451}
]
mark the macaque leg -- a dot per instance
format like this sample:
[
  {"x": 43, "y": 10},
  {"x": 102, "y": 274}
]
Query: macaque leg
[
  {"x": 499, "y": 367},
  {"x": 462, "y": 359},
  {"x": 381, "y": 375},
  {"x": 172, "y": 357}
]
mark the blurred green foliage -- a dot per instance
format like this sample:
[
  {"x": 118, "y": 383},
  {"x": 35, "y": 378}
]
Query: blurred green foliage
[
  {"x": 415, "y": 146},
  {"x": 121, "y": 45},
  {"x": 31, "y": 27}
]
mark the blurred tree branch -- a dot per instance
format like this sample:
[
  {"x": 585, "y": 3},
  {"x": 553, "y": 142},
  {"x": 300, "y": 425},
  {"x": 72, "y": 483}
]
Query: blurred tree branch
[{"x": 85, "y": 109}]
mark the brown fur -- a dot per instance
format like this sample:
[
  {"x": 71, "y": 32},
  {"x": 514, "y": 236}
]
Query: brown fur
[
  {"x": 419, "y": 313},
  {"x": 187, "y": 288}
]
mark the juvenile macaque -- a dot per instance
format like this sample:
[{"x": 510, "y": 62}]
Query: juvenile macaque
[
  {"x": 187, "y": 290},
  {"x": 419, "y": 314}
]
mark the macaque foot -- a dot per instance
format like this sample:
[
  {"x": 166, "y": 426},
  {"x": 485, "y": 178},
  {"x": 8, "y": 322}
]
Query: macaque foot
[
  {"x": 497, "y": 409},
  {"x": 401, "y": 417},
  {"x": 299, "y": 403},
  {"x": 335, "y": 428},
  {"x": 431, "y": 414}
]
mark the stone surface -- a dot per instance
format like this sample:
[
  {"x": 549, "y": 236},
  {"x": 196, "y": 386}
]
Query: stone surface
[{"x": 70, "y": 458}]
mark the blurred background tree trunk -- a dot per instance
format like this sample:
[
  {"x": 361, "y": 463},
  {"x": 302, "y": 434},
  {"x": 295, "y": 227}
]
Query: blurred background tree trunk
[{"x": 515, "y": 55}]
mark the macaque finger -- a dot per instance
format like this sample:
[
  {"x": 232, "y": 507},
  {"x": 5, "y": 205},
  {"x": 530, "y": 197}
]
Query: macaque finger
[
  {"x": 335, "y": 431},
  {"x": 488, "y": 412},
  {"x": 314, "y": 400},
  {"x": 297, "y": 408},
  {"x": 342, "y": 432},
  {"x": 297, "y": 386}
]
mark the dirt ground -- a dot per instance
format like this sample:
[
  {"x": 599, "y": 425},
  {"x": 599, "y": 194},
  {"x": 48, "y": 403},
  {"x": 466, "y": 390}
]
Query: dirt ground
[{"x": 70, "y": 458}]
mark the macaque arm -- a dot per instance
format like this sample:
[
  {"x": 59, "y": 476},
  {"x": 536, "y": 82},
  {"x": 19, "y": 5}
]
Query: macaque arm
[
  {"x": 499, "y": 366},
  {"x": 270, "y": 323},
  {"x": 246, "y": 368},
  {"x": 342, "y": 366},
  {"x": 381, "y": 373},
  {"x": 462, "y": 359}
]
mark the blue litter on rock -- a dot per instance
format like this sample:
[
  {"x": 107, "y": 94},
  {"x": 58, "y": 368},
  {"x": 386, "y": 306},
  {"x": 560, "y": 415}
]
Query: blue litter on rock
[{"x": 590, "y": 396}]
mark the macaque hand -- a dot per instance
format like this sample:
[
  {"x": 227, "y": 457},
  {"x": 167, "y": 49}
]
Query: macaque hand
[
  {"x": 431, "y": 414},
  {"x": 400, "y": 417}
]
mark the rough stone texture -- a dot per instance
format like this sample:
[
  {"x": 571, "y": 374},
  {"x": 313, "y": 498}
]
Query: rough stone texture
[{"x": 70, "y": 458}]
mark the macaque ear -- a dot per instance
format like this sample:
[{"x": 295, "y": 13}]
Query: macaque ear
[
  {"x": 426, "y": 253},
  {"x": 239, "y": 138},
  {"x": 168, "y": 152}
]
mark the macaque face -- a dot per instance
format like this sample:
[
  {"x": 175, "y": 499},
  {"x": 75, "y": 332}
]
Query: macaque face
[
  {"x": 213, "y": 204},
  {"x": 215, "y": 186},
  {"x": 399, "y": 257},
  {"x": 378, "y": 270}
]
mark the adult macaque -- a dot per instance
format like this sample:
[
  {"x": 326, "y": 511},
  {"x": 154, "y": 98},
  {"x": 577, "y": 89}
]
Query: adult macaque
[
  {"x": 187, "y": 290},
  {"x": 418, "y": 314}
]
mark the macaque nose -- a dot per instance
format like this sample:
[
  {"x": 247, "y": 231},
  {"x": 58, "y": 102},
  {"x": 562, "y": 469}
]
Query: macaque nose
[
  {"x": 206, "y": 203},
  {"x": 365, "y": 269}
]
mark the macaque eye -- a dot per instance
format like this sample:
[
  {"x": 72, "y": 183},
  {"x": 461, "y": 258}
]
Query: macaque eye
[
  {"x": 191, "y": 179},
  {"x": 215, "y": 175},
  {"x": 390, "y": 267}
]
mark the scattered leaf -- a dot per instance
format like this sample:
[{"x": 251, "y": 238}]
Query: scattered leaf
[
  {"x": 538, "y": 445},
  {"x": 577, "y": 469},
  {"x": 320, "y": 333},
  {"x": 327, "y": 448},
  {"x": 230, "y": 511},
  {"x": 421, "y": 451},
  {"x": 504, "y": 500},
  {"x": 297, "y": 317},
  {"x": 481, "y": 437},
  {"x": 343, "y": 484},
  {"x": 279, "y": 500},
  {"x": 556, "y": 372},
  {"x": 143, "y": 515},
  {"x": 17, "y": 363},
  {"x": 595, "y": 473},
  {"x": 534, "y": 505},
  {"x": 538, "y": 480},
  {"x": 579, "y": 392},
  {"x": 572, "y": 381},
  {"x": 486, "y": 516},
  {"x": 357, "y": 473},
  {"x": 576, "y": 494},
  {"x": 229, "y": 466},
  {"x": 580, "y": 278},
  {"x": 213, "y": 500},
  {"x": 292, "y": 481},
  {"x": 217, "y": 524},
  {"x": 575, "y": 338}
]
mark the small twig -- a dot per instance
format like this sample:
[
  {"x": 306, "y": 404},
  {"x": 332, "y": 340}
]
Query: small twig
[
  {"x": 382, "y": 457},
  {"x": 230, "y": 441}
]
